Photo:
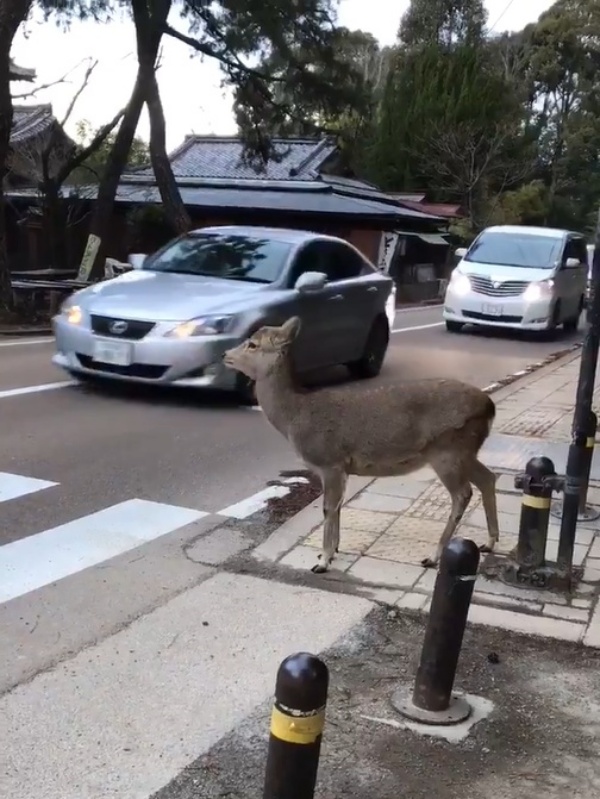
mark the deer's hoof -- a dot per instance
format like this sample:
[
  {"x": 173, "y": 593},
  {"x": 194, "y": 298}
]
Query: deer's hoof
[
  {"x": 486, "y": 548},
  {"x": 319, "y": 568},
  {"x": 428, "y": 563}
]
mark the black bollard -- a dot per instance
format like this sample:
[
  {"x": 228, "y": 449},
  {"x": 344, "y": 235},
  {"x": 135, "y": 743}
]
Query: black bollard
[
  {"x": 587, "y": 513},
  {"x": 297, "y": 722},
  {"x": 576, "y": 458},
  {"x": 527, "y": 563},
  {"x": 432, "y": 701}
]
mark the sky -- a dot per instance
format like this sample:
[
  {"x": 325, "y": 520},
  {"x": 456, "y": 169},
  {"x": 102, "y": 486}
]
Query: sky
[{"x": 193, "y": 99}]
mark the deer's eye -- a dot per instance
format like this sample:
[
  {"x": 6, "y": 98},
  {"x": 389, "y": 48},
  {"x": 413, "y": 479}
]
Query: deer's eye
[{"x": 252, "y": 345}]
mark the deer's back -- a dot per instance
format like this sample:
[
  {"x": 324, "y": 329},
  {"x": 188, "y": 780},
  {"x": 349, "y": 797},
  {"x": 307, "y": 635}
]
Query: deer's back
[{"x": 377, "y": 422}]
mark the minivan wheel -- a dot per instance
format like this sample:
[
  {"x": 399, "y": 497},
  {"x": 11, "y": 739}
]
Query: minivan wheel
[
  {"x": 454, "y": 327},
  {"x": 571, "y": 325},
  {"x": 371, "y": 361},
  {"x": 553, "y": 323}
]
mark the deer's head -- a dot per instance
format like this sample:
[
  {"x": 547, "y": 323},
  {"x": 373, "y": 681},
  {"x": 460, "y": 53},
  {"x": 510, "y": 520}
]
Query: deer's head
[{"x": 260, "y": 354}]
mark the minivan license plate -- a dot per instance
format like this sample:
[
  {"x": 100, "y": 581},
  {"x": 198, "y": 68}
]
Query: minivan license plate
[
  {"x": 116, "y": 353},
  {"x": 492, "y": 310}
]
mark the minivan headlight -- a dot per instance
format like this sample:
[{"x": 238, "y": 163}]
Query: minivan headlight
[
  {"x": 72, "y": 313},
  {"x": 541, "y": 290},
  {"x": 460, "y": 283}
]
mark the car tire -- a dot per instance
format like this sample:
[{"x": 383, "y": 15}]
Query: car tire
[
  {"x": 551, "y": 331},
  {"x": 454, "y": 327},
  {"x": 370, "y": 363},
  {"x": 571, "y": 325}
]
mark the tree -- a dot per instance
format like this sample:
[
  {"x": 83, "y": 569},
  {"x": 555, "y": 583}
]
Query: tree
[
  {"x": 92, "y": 168},
  {"x": 12, "y": 14},
  {"x": 449, "y": 122},
  {"x": 444, "y": 23},
  {"x": 562, "y": 74}
]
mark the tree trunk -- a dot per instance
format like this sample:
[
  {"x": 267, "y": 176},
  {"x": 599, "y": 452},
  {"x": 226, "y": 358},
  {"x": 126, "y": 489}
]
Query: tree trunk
[
  {"x": 148, "y": 34},
  {"x": 12, "y": 14},
  {"x": 169, "y": 191}
]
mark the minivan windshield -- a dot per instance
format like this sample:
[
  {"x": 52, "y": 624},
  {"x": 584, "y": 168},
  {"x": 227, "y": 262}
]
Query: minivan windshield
[
  {"x": 233, "y": 257},
  {"x": 515, "y": 249}
]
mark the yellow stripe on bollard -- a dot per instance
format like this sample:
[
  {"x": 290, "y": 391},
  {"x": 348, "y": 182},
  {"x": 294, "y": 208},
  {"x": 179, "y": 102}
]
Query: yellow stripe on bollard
[
  {"x": 590, "y": 441},
  {"x": 297, "y": 729},
  {"x": 536, "y": 502}
]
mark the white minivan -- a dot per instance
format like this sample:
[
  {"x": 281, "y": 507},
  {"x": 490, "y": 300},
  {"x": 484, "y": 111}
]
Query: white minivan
[{"x": 528, "y": 278}]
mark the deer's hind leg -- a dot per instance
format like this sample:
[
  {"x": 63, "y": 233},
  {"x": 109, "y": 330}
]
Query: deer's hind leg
[
  {"x": 334, "y": 487},
  {"x": 485, "y": 480},
  {"x": 452, "y": 472}
]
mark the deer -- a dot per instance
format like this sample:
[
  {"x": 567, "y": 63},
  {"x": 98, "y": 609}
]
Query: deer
[{"x": 374, "y": 430}]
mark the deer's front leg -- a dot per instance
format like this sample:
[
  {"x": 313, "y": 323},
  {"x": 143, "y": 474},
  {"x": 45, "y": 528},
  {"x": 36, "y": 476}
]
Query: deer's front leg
[{"x": 334, "y": 486}]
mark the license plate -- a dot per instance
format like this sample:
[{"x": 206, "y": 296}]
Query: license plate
[
  {"x": 116, "y": 353},
  {"x": 493, "y": 310}
]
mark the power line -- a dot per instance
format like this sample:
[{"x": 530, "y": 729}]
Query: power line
[{"x": 506, "y": 8}]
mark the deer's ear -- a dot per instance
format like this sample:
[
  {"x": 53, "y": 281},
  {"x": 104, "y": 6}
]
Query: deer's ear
[{"x": 291, "y": 328}]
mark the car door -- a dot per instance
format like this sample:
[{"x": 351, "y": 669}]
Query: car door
[
  {"x": 355, "y": 292},
  {"x": 580, "y": 273},
  {"x": 314, "y": 347}
]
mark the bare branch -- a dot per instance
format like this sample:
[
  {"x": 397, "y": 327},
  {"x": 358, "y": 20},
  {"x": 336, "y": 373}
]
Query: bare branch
[
  {"x": 41, "y": 88},
  {"x": 90, "y": 149},
  {"x": 86, "y": 79},
  {"x": 231, "y": 61}
]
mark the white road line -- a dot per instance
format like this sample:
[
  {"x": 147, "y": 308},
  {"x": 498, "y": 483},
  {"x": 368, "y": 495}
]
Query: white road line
[
  {"x": 258, "y": 501},
  {"x": 26, "y": 342},
  {"x": 18, "y": 392},
  {"x": 416, "y": 327},
  {"x": 36, "y": 561},
  {"x": 13, "y": 486}
]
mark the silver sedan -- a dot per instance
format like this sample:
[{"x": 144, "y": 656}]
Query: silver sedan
[{"x": 171, "y": 321}]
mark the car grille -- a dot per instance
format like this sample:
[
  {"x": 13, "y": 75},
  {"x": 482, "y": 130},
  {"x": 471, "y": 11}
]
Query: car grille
[
  {"x": 143, "y": 370},
  {"x": 497, "y": 288},
  {"x": 484, "y": 317},
  {"x": 136, "y": 329}
]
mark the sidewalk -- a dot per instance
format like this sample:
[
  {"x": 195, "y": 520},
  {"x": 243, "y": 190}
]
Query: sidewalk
[{"x": 390, "y": 524}]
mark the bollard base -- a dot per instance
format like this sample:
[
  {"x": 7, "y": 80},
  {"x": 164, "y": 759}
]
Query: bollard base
[
  {"x": 545, "y": 578},
  {"x": 589, "y": 514},
  {"x": 459, "y": 709}
]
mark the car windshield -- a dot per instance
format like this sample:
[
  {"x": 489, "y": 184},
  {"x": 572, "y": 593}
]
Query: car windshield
[
  {"x": 233, "y": 257},
  {"x": 516, "y": 249}
]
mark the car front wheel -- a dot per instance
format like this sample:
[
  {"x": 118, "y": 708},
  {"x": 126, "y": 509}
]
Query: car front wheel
[{"x": 371, "y": 361}]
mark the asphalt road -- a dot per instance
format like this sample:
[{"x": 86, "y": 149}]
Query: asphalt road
[{"x": 201, "y": 452}]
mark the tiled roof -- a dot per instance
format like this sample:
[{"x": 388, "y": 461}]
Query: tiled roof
[
  {"x": 221, "y": 157},
  {"x": 16, "y": 72},
  {"x": 304, "y": 197},
  {"x": 30, "y": 121}
]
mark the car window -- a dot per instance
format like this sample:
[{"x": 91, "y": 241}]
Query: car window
[
  {"x": 341, "y": 262},
  {"x": 229, "y": 256},
  {"x": 515, "y": 249},
  {"x": 309, "y": 259},
  {"x": 576, "y": 248}
]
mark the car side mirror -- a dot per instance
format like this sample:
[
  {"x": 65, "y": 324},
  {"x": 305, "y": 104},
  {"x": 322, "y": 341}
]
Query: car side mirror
[
  {"x": 460, "y": 252},
  {"x": 311, "y": 281},
  {"x": 571, "y": 263}
]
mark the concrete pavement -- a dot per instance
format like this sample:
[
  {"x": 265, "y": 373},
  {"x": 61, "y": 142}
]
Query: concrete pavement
[{"x": 116, "y": 507}]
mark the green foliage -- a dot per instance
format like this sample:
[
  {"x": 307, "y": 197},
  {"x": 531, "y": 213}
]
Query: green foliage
[
  {"x": 92, "y": 169},
  {"x": 444, "y": 23}
]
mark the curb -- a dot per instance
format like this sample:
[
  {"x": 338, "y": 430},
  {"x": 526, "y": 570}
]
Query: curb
[
  {"x": 534, "y": 367},
  {"x": 16, "y": 332},
  {"x": 407, "y": 306}
]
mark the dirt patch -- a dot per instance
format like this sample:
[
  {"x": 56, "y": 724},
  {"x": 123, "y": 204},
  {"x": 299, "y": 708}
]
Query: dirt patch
[{"x": 541, "y": 736}]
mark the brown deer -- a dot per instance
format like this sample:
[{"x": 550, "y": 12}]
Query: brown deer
[{"x": 373, "y": 430}]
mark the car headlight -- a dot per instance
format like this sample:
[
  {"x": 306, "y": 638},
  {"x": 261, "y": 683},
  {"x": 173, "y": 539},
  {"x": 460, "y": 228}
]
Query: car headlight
[
  {"x": 72, "y": 313},
  {"x": 203, "y": 326},
  {"x": 541, "y": 290},
  {"x": 460, "y": 283}
]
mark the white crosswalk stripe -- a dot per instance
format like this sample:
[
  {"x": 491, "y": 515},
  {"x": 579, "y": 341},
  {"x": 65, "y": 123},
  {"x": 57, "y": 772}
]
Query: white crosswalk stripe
[
  {"x": 41, "y": 559},
  {"x": 13, "y": 486}
]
